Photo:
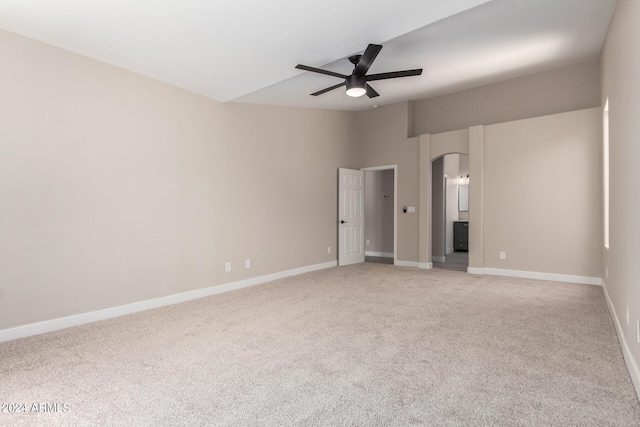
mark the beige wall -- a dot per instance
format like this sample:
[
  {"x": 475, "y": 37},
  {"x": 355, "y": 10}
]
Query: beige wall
[
  {"x": 455, "y": 165},
  {"x": 116, "y": 188},
  {"x": 621, "y": 86},
  {"x": 438, "y": 206},
  {"x": 456, "y": 141},
  {"x": 569, "y": 88},
  {"x": 533, "y": 172},
  {"x": 464, "y": 171},
  {"x": 542, "y": 194},
  {"x": 382, "y": 140},
  {"x": 452, "y": 171}
]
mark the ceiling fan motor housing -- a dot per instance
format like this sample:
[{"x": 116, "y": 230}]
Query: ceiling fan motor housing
[
  {"x": 354, "y": 59},
  {"x": 356, "y": 81}
]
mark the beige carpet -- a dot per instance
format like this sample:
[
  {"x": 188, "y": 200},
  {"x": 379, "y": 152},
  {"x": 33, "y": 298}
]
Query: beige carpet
[{"x": 368, "y": 344}]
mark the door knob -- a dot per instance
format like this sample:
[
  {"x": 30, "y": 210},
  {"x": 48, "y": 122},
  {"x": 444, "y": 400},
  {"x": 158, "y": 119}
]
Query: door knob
[{"x": 343, "y": 221}]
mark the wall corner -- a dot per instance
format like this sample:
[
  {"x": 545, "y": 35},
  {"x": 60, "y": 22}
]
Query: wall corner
[
  {"x": 476, "y": 197},
  {"x": 411, "y": 119},
  {"x": 424, "y": 246}
]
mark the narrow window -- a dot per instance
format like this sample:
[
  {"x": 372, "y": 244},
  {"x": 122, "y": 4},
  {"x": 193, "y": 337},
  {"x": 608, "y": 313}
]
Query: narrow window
[{"x": 605, "y": 157}]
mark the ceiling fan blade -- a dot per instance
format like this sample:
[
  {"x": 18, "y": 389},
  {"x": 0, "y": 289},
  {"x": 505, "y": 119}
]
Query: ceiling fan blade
[
  {"x": 320, "y": 92},
  {"x": 371, "y": 92},
  {"x": 393, "y": 75},
  {"x": 367, "y": 59},
  {"x": 320, "y": 71}
]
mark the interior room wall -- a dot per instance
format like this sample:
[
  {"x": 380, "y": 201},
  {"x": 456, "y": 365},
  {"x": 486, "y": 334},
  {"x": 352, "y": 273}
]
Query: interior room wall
[
  {"x": 463, "y": 171},
  {"x": 542, "y": 194},
  {"x": 438, "y": 222},
  {"x": 378, "y": 205},
  {"x": 451, "y": 170},
  {"x": 117, "y": 188},
  {"x": 621, "y": 86},
  {"x": 382, "y": 140},
  {"x": 568, "y": 88}
]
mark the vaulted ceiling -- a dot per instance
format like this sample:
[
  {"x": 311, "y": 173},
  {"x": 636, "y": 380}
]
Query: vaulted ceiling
[{"x": 246, "y": 51}]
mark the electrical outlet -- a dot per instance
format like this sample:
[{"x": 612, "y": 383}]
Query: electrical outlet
[
  {"x": 503, "y": 255},
  {"x": 247, "y": 263},
  {"x": 367, "y": 242},
  {"x": 329, "y": 249},
  {"x": 227, "y": 267},
  {"x": 627, "y": 315}
]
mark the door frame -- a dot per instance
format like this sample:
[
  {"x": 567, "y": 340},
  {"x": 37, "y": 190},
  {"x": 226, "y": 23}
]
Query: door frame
[
  {"x": 394, "y": 168},
  {"x": 473, "y": 146}
]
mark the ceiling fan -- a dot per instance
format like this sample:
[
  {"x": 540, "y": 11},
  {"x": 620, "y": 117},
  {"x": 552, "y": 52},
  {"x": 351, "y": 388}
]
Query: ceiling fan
[{"x": 356, "y": 82}]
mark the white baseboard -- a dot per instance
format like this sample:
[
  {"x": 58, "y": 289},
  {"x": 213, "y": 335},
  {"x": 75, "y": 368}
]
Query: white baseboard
[
  {"x": 380, "y": 254},
  {"x": 407, "y": 263},
  {"x": 439, "y": 258},
  {"x": 582, "y": 280},
  {"x": 413, "y": 264},
  {"x": 632, "y": 366},
  {"x": 449, "y": 251},
  {"x": 108, "y": 313}
]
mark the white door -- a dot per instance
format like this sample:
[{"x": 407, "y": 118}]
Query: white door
[{"x": 350, "y": 216}]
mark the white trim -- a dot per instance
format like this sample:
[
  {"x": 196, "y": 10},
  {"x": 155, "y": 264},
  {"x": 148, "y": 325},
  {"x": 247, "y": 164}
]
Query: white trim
[
  {"x": 407, "y": 263},
  {"x": 108, "y": 313},
  {"x": 380, "y": 254},
  {"x": 449, "y": 251},
  {"x": 475, "y": 270},
  {"x": 379, "y": 168},
  {"x": 582, "y": 280},
  {"x": 425, "y": 265},
  {"x": 438, "y": 259},
  {"x": 632, "y": 366}
]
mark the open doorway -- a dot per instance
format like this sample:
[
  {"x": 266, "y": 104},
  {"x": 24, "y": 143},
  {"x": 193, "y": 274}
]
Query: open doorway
[
  {"x": 379, "y": 210},
  {"x": 450, "y": 212}
]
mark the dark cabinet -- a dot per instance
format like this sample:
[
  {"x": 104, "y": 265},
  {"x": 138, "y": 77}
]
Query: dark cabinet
[{"x": 461, "y": 236}]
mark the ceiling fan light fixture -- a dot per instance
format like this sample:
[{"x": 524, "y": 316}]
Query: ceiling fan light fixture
[
  {"x": 356, "y": 85},
  {"x": 356, "y": 91}
]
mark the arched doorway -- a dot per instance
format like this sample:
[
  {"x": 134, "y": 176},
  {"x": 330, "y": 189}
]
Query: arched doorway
[
  {"x": 469, "y": 142},
  {"x": 450, "y": 212}
]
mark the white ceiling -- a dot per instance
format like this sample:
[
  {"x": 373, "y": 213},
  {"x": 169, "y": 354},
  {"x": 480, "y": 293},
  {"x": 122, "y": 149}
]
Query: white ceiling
[{"x": 246, "y": 51}]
